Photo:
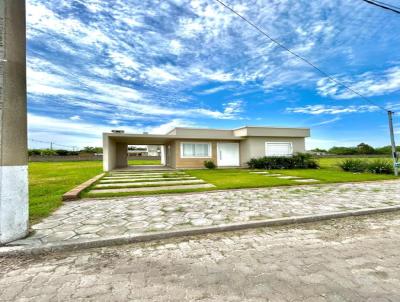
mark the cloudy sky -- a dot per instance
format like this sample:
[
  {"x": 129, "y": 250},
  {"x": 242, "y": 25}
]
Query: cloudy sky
[{"x": 149, "y": 65}]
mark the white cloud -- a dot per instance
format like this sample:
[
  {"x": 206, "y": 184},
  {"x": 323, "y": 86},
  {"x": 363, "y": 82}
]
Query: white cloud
[
  {"x": 77, "y": 133},
  {"x": 326, "y": 122},
  {"x": 75, "y": 118},
  {"x": 176, "y": 47},
  {"x": 324, "y": 109},
  {"x": 216, "y": 89},
  {"x": 368, "y": 84}
]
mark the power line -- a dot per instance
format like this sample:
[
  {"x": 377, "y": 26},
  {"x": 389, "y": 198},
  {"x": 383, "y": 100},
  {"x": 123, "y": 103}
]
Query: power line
[
  {"x": 331, "y": 78},
  {"x": 51, "y": 143},
  {"x": 383, "y": 5}
]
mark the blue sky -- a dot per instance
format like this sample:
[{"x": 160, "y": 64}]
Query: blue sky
[{"x": 150, "y": 66}]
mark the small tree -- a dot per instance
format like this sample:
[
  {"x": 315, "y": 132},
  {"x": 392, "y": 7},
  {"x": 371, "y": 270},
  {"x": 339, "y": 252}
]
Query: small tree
[{"x": 365, "y": 149}]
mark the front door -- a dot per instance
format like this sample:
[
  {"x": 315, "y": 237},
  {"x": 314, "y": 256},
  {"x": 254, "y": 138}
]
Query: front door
[{"x": 228, "y": 154}]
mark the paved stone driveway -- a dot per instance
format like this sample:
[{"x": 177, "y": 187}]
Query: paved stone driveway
[
  {"x": 101, "y": 218},
  {"x": 352, "y": 259}
]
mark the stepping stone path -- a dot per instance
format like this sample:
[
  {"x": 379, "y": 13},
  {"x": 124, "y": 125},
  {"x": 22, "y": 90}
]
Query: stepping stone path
[
  {"x": 130, "y": 181},
  {"x": 280, "y": 176},
  {"x": 306, "y": 180}
]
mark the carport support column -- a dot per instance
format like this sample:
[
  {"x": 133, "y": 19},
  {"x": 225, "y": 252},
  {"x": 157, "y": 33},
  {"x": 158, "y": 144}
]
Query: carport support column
[
  {"x": 122, "y": 155},
  {"x": 13, "y": 122}
]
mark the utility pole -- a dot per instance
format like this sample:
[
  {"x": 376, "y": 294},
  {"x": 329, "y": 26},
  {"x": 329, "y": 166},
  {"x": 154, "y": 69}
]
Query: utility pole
[
  {"x": 394, "y": 152},
  {"x": 14, "y": 206}
]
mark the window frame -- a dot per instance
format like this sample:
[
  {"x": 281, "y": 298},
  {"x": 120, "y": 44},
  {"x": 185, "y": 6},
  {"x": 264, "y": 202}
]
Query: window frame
[
  {"x": 197, "y": 143},
  {"x": 287, "y": 155}
]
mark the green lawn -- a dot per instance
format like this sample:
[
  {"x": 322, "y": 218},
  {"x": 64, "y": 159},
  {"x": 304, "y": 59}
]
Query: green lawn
[
  {"x": 49, "y": 180},
  {"x": 143, "y": 162}
]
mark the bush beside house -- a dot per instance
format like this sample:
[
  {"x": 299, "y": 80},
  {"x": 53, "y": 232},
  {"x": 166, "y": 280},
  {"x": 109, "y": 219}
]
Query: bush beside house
[
  {"x": 209, "y": 164},
  {"x": 298, "y": 161}
]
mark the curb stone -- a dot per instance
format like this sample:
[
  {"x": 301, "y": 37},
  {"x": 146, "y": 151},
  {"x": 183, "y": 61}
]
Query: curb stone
[
  {"x": 74, "y": 193},
  {"x": 10, "y": 251}
]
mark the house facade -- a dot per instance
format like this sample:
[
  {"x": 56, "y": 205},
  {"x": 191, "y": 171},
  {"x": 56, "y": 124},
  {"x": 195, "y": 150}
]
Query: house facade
[{"x": 190, "y": 147}]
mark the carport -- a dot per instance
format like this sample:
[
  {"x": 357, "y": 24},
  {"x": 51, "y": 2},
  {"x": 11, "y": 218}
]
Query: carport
[{"x": 115, "y": 148}]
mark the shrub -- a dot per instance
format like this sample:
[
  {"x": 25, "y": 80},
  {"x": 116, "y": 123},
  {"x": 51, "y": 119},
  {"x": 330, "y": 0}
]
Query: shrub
[
  {"x": 298, "y": 161},
  {"x": 380, "y": 166},
  {"x": 48, "y": 152},
  {"x": 353, "y": 165},
  {"x": 62, "y": 152},
  {"x": 34, "y": 152},
  {"x": 343, "y": 150},
  {"x": 209, "y": 164}
]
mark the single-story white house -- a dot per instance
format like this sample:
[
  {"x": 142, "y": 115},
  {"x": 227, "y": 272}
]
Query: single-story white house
[{"x": 190, "y": 147}]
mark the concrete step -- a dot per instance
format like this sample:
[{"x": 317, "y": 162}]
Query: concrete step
[
  {"x": 150, "y": 183},
  {"x": 144, "y": 176},
  {"x": 147, "y": 173},
  {"x": 288, "y": 177},
  {"x": 146, "y": 179},
  {"x": 152, "y": 189},
  {"x": 306, "y": 180}
]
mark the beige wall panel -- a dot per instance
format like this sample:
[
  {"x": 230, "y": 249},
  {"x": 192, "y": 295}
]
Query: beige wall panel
[{"x": 254, "y": 147}]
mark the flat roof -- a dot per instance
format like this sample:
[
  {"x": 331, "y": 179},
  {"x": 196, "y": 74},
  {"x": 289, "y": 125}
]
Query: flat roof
[
  {"x": 146, "y": 138},
  {"x": 157, "y": 139},
  {"x": 272, "y": 127}
]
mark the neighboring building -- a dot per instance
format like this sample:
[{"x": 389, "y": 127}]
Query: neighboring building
[
  {"x": 190, "y": 147},
  {"x": 150, "y": 150},
  {"x": 153, "y": 150}
]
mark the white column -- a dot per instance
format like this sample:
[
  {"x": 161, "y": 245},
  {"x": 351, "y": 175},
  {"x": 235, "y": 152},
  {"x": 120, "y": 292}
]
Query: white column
[
  {"x": 162, "y": 153},
  {"x": 14, "y": 207}
]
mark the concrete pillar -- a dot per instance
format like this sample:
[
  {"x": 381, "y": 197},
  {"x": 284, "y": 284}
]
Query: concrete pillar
[
  {"x": 115, "y": 155},
  {"x": 109, "y": 150},
  {"x": 121, "y": 155},
  {"x": 163, "y": 157},
  {"x": 13, "y": 122}
]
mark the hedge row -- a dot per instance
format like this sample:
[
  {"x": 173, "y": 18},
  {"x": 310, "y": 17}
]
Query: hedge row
[{"x": 298, "y": 161}]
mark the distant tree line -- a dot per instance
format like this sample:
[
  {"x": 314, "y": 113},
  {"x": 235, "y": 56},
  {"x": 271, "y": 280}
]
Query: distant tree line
[
  {"x": 62, "y": 152},
  {"x": 362, "y": 149}
]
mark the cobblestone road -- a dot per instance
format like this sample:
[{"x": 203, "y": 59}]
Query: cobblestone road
[
  {"x": 352, "y": 259},
  {"x": 102, "y": 218}
]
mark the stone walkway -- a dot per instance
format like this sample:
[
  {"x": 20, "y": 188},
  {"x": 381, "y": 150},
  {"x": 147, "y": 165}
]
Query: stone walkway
[
  {"x": 352, "y": 259},
  {"x": 104, "y": 218}
]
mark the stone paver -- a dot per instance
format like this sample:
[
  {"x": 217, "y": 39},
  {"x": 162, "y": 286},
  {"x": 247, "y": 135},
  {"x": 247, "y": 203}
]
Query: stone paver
[
  {"x": 145, "y": 179},
  {"x": 352, "y": 259},
  {"x": 163, "y": 187},
  {"x": 306, "y": 180},
  {"x": 183, "y": 211},
  {"x": 154, "y": 183}
]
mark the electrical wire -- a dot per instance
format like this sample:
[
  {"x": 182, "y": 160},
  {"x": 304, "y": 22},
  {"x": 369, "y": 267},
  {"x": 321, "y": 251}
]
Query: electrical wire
[
  {"x": 52, "y": 143},
  {"x": 325, "y": 74},
  {"x": 383, "y": 5}
]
